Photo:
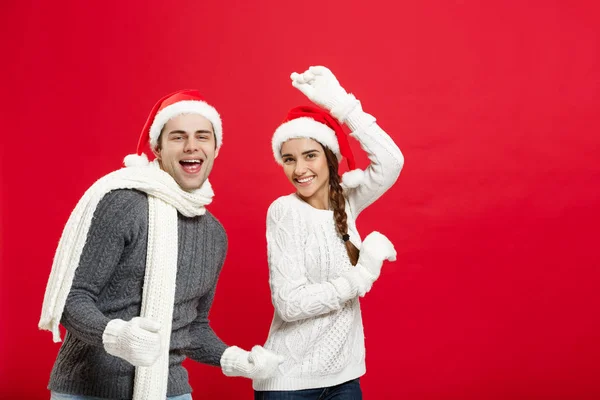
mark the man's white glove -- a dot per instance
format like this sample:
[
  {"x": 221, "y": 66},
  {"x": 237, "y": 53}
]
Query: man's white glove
[
  {"x": 137, "y": 341},
  {"x": 322, "y": 88},
  {"x": 258, "y": 363},
  {"x": 375, "y": 249}
]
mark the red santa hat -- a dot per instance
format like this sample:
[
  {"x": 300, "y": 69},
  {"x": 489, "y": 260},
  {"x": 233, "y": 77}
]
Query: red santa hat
[
  {"x": 170, "y": 106},
  {"x": 315, "y": 123}
]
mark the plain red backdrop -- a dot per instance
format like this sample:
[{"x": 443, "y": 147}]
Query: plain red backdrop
[{"x": 495, "y": 216}]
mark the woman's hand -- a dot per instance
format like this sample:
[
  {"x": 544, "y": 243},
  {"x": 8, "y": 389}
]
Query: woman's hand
[{"x": 322, "y": 88}]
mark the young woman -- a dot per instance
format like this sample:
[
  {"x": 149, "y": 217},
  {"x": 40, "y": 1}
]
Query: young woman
[{"x": 316, "y": 269}]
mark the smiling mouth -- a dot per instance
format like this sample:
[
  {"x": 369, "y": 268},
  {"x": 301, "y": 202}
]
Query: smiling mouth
[
  {"x": 304, "y": 181},
  {"x": 191, "y": 166}
]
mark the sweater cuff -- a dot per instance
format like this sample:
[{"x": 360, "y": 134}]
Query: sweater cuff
[
  {"x": 351, "y": 113},
  {"x": 112, "y": 331},
  {"x": 354, "y": 282},
  {"x": 346, "y": 287},
  {"x": 361, "y": 278},
  {"x": 343, "y": 106},
  {"x": 359, "y": 121}
]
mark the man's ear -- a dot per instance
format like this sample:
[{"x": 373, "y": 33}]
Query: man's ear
[
  {"x": 156, "y": 152},
  {"x": 217, "y": 152}
]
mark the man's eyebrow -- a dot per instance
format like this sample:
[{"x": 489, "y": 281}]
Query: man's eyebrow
[{"x": 179, "y": 131}]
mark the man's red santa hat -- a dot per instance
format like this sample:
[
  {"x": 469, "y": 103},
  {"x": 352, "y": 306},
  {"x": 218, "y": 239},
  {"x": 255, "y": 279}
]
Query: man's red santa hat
[{"x": 171, "y": 106}]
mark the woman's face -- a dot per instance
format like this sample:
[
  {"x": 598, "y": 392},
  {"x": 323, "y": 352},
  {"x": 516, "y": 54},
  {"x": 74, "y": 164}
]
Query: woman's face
[{"x": 305, "y": 165}]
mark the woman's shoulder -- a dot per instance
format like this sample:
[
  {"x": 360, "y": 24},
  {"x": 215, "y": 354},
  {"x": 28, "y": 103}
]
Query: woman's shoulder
[
  {"x": 284, "y": 207},
  {"x": 283, "y": 202}
]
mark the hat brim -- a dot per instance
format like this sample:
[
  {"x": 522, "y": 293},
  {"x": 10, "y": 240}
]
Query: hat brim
[
  {"x": 304, "y": 127},
  {"x": 186, "y": 107}
]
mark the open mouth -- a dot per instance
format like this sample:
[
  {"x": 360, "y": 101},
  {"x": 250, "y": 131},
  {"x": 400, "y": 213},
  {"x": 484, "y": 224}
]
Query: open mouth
[
  {"x": 304, "y": 181},
  {"x": 191, "y": 166}
]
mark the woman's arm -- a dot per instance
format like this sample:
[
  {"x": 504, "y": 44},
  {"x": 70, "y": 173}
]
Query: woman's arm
[{"x": 321, "y": 86}]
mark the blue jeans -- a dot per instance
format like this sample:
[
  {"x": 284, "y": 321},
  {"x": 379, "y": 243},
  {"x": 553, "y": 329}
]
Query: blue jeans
[
  {"x": 346, "y": 391},
  {"x": 62, "y": 396}
]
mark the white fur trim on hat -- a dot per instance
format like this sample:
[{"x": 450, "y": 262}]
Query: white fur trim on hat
[
  {"x": 186, "y": 107},
  {"x": 304, "y": 127}
]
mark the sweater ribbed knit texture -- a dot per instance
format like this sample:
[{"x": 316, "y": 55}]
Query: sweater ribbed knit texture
[{"x": 108, "y": 284}]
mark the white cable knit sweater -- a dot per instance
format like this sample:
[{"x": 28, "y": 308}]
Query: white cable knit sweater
[{"x": 320, "y": 335}]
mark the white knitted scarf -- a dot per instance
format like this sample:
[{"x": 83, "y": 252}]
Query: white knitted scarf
[{"x": 165, "y": 198}]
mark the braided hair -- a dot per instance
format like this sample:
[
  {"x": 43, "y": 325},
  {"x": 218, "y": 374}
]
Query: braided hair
[{"x": 338, "y": 204}]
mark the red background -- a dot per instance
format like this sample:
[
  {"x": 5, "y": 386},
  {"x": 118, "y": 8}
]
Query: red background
[{"x": 495, "y": 216}]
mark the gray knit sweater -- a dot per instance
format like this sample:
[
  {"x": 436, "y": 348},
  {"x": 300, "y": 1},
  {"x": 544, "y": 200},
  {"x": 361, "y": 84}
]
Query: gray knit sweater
[{"x": 108, "y": 284}]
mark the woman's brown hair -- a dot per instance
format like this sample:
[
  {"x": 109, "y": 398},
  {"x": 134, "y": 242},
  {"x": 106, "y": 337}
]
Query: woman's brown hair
[{"x": 338, "y": 204}]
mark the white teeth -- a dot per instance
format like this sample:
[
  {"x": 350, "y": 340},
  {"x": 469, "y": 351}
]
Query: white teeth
[
  {"x": 304, "y": 180},
  {"x": 191, "y": 161}
]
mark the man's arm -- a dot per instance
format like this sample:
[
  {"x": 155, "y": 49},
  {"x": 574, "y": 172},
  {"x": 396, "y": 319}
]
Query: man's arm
[
  {"x": 205, "y": 347},
  {"x": 114, "y": 224},
  {"x": 120, "y": 218}
]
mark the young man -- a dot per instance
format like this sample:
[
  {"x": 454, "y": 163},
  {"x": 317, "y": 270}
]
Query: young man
[{"x": 135, "y": 272}]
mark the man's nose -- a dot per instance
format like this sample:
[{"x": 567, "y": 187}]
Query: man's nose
[{"x": 191, "y": 145}]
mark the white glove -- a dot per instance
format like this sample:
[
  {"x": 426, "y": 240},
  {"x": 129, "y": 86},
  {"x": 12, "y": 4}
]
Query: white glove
[
  {"x": 322, "y": 88},
  {"x": 136, "y": 341},
  {"x": 256, "y": 364},
  {"x": 375, "y": 249}
]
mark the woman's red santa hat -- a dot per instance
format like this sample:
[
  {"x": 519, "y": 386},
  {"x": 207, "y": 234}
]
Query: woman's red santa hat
[
  {"x": 170, "y": 106},
  {"x": 315, "y": 123}
]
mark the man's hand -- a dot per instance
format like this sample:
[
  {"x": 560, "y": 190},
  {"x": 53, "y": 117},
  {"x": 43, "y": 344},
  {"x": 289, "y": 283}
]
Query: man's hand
[{"x": 136, "y": 341}]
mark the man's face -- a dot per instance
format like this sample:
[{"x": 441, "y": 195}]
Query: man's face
[{"x": 186, "y": 150}]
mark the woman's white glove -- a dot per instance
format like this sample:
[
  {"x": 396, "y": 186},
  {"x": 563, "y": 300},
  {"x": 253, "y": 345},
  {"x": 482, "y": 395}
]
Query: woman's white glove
[
  {"x": 136, "y": 341},
  {"x": 375, "y": 249},
  {"x": 322, "y": 88},
  {"x": 258, "y": 363}
]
